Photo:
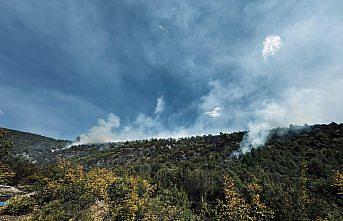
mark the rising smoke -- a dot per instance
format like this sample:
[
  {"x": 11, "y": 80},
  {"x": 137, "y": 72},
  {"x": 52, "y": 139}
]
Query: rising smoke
[
  {"x": 160, "y": 105},
  {"x": 297, "y": 80},
  {"x": 102, "y": 132},
  {"x": 215, "y": 112},
  {"x": 143, "y": 127}
]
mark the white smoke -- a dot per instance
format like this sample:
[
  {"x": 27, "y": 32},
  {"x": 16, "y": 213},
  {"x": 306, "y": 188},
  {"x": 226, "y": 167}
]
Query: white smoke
[
  {"x": 143, "y": 127},
  {"x": 271, "y": 44},
  {"x": 271, "y": 116},
  {"x": 160, "y": 105},
  {"x": 299, "y": 107},
  {"x": 215, "y": 112},
  {"x": 102, "y": 132},
  {"x": 302, "y": 86}
]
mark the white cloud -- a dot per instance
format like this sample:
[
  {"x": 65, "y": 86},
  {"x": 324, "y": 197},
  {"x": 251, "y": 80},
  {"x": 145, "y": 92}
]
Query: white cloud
[
  {"x": 1, "y": 113},
  {"x": 215, "y": 112},
  {"x": 160, "y": 105},
  {"x": 271, "y": 44}
]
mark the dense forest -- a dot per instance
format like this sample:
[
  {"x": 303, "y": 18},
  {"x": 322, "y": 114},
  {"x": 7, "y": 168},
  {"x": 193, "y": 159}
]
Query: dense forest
[{"x": 296, "y": 175}]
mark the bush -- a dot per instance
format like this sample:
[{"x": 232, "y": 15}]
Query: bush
[{"x": 19, "y": 205}]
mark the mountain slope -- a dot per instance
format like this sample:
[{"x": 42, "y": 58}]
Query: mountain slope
[
  {"x": 33, "y": 146},
  {"x": 207, "y": 149},
  {"x": 293, "y": 162},
  {"x": 296, "y": 175}
]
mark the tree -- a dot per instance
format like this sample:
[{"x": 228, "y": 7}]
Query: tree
[
  {"x": 234, "y": 206},
  {"x": 259, "y": 210},
  {"x": 337, "y": 178},
  {"x": 130, "y": 197},
  {"x": 6, "y": 173},
  {"x": 5, "y": 145},
  {"x": 303, "y": 195},
  {"x": 98, "y": 180}
]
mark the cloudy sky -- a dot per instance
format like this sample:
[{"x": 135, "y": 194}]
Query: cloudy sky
[{"x": 128, "y": 69}]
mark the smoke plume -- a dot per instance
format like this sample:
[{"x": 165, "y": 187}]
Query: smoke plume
[{"x": 282, "y": 66}]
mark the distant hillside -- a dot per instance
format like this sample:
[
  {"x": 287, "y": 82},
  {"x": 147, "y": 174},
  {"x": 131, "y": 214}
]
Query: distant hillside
[
  {"x": 33, "y": 146},
  {"x": 210, "y": 150}
]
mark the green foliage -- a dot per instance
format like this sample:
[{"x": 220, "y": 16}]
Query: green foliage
[
  {"x": 19, "y": 205},
  {"x": 5, "y": 145},
  {"x": 6, "y": 173},
  {"x": 295, "y": 176}
]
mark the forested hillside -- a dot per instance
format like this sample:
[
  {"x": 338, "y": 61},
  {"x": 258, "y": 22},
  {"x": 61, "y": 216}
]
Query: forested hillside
[
  {"x": 33, "y": 146},
  {"x": 296, "y": 175}
]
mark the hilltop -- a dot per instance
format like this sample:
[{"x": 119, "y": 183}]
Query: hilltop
[{"x": 34, "y": 147}]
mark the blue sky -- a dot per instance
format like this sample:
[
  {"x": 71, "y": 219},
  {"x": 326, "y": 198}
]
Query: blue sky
[{"x": 114, "y": 70}]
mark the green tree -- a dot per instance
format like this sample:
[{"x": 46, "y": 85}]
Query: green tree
[
  {"x": 6, "y": 173},
  {"x": 234, "y": 206},
  {"x": 5, "y": 145}
]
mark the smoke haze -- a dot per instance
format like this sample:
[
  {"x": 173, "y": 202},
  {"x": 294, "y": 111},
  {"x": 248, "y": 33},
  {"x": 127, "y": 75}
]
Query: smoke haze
[{"x": 169, "y": 68}]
